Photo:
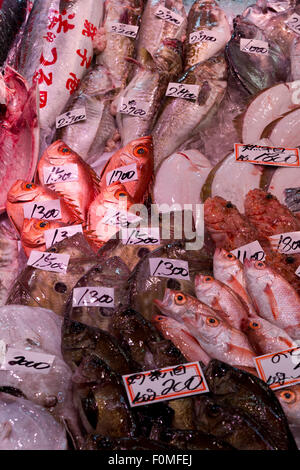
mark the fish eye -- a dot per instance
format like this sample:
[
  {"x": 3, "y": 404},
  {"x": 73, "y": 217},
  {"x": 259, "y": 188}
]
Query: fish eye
[
  {"x": 159, "y": 318},
  {"x": 180, "y": 299},
  {"x": 208, "y": 279},
  {"x": 254, "y": 325},
  {"x": 60, "y": 287},
  {"x": 41, "y": 225},
  {"x": 229, "y": 205},
  {"x": 120, "y": 194},
  {"x": 29, "y": 186},
  {"x": 290, "y": 259},
  {"x": 140, "y": 150},
  {"x": 259, "y": 265},
  {"x": 64, "y": 150},
  {"x": 229, "y": 256},
  {"x": 269, "y": 196},
  {"x": 288, "y": 396},
  {"x": 214, "y": 410},
  {"x": 212, "y": 321}
]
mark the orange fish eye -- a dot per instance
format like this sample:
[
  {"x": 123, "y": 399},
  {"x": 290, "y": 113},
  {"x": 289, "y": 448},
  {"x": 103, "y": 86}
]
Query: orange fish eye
[
  {"x": 140, "y": 150},
  {"x": 120, "y": 194},
  {"x": 28, "y": 186},
  {"x": 159, "y": 318},
  {"x": 259, "y": 265},
  {"x": 212, "y": 321},
  {"x": 64, "y": 150},
  {"x": 288, "y": 396},
  {"x": 41, "y": 225},
  {"x": 254, "y": 325},
  {"x": 229, "y": 256},
  {"x": 180, "y": 299},
  {"x": 208, "y": 279}
]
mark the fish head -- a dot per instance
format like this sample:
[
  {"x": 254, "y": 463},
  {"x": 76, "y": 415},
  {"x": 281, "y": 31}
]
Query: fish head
[
  {"x": 139, "y": 151},
  {"x": 257, "y": 272},
  {"x": 33, "y": 231},
  {"x": 289, "y": 399},
  {"x": 168, "y": 57},
  {"x": 177, "y": 305},
  {"x": 59, "y": 153},
  {"x": 206, "y": 285},
  {"x": 226, "y": 260},
  {"x": 23, "y": 191},
  {"x": 117, "y": 195}
]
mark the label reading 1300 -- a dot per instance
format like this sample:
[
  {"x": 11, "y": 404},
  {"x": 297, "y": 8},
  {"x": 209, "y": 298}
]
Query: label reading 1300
[
  {"x": 172, "y": 268},
  {"x": 47, "y": 210},
  {"x": 93, "y": 297}
]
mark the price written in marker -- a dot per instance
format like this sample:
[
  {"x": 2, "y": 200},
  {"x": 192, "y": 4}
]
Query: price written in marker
[
  {"x": 179, "y": 90},
  {"x": 60, "y": 174},
  {"x": 141, "y": 236},
  {"x": 120, "y": 218},
  {"x": 254, "y": 46},
  {"x": 168, "y": 15},
  {"x": 250, "y": 251},
  {"x": 165, "y": 384},
  {"x": 27, "y": 361},
  {"x": 55, "y": 262},
  {"x": 172, "y": 268},
  {"x": 267, "y": 155},
  {"x": 70, "y": 117},
  {"x": 132, "y": 107},
  {"x": 297, "y": 272},
  {"x": 286, "y": 242},
  {"x": 279, "y": 369},
  {"x": 45, "y": 210},
  {"x": 55, "y": 235},
  {"x": 123, "y": 174},
  {"x": 123, "y": 29},
  {"x": 93, "y": 297},
  {"x": 205, "y": 35},
  {"x": 293, "y": 22}
]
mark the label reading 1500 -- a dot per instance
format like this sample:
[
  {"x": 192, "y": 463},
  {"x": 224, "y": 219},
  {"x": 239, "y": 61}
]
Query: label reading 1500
[
  {"x": 172, "y": 268},
  {"x": 60, "y": 174},
  {"x": 47, "y": 210},
  {"x": 93, "y": 297},
  {"x": 48, "y": 261}
]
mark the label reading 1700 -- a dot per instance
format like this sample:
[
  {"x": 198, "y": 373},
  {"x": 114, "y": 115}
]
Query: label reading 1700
[
  {"x": 93, "y": 297},
  {"x": 172, "y": 268}
]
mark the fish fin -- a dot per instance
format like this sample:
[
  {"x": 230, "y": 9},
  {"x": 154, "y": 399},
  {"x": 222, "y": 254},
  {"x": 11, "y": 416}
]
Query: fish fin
[
  {"x": 73, "y": 207},
  {"x": 105, "y": 167},
  {"x": 190, "y": 336},
  {"x": 286, "y": 341},
  {"x": 216, "y": 304},
  {"x": 240, "y": 351},
  {"x": 273, "y": 303}
]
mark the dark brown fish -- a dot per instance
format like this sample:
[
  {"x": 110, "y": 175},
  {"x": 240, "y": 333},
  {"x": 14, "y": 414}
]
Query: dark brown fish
[
  {"x": 98, "y": 442},
  {"x": 190, "y": 439}
]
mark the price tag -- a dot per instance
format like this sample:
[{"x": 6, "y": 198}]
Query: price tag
[
  {"x": 180, "y": 90},
  {"x": 2, "y": 351},
  {"x": 172, "y": 268},
  {"x": 169, "y": 383},
  {"x": 205, "y": 35},
  {"x": 250, "y": 251},
  {"x": 123, "y": 174},
  {"x": 279, "y": 369},
  {"x": 293, "y": 23},
  {"x": 60, "y": 174},
  {"x": 55, "y": 235},
  {"x": 286, "y": 242},
  {"x": 169, "y": 15},
  {"x": 123, "y": 29},
  {"x": 120, "y": 218},
  {"x": 55, "y": 262},
  {"x": 132, "y": 107},
  {"x": 298, "y": 271},
  {"x": 93, "y": 297},
  {"x": 28, "y": 361},
  {"x": 254, "y": 46},
  {"x": 44, "y": 210},
  {"x": 141, "y": 236},
  {"x": 292, "y": 198},
  {"x": 71, "y": 117},
  {"x": 267, "y": 155}
]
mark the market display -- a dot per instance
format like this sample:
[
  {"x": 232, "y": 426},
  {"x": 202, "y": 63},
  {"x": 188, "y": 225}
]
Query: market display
[{"x": 150, "y": 227}]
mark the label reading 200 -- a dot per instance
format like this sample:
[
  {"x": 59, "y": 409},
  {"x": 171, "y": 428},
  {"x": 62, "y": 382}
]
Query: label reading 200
[{"x": 172, "y": 268}]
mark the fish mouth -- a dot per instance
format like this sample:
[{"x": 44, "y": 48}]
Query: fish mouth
[{"x": 165, "y": 304}]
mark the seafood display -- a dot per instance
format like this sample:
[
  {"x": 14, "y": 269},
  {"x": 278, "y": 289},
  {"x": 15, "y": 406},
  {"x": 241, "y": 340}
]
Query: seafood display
[{"x": 150, "y": 225}]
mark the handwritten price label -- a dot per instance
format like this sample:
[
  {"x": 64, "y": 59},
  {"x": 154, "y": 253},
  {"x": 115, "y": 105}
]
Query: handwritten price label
[
  {"x": 133, "y": 108},
  {"x": 120, "y": 218},
  {"x": 293, "y": 23},
  {"x": 60, "y": 174},
  {"x": 47, "y": 210},
  {"x": 286, "y": 242},
  {"x": 71, "y": 117},
  {"x": 123, "y": 174},
  {"x": 93, "y": 297},
  {"x": 254, "y": 46},
  {"x": 141, "y": 236},
  {"x": 297, "y": 272},
  {"x": 179, "y": 90},
  {"x": 250, "y": 251},
  {"x": 168, "y": 15},
  {"x": 279, "y": 369},
  {"x": 55, "y": 235},
  {"x": 123, "y": 29},
  {"x": 172, "y": 268},
  {"x": 28, "y": 361},
  {"x": 165, "y": 384},
  {"x": 57, "y": 263},
  {"x": 205, "y": 35},
  {"x": 267, "y": 155},
  {"x": 292, "y": 199}
]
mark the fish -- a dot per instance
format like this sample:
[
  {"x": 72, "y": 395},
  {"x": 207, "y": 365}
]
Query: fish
[
  {"x": 276, "y": 300},
  {"x": 181, "y": 337},
  {"x": 211, "y": 78},
  {"x": 111, "y": 273},
  {"x": 149, "y": 85},
  {"x": 37, "y": 288},
  {"x": 140, "y": 153},
  {"x": 99, "y": 442},
  {"x": 33, "y": 231},
  {"x": 22, "y": 192},
  {"x": 98, "y": 131},
  {"x": 12, "y": 16},
  {"x": 205, "y": 17},
  {"x": 19, "y": 136},
  {"x": 190, "y": 439},
  {"x": 218, "y": 339},
  {"x": 288, "y": 397},
  {"x": 184, "y": 416},
  {"x": 80, "y": 193},
  {"x": 220, "y": 297}
]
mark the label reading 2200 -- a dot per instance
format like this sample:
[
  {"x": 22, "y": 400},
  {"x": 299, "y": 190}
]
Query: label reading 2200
[
  {"x": 172, "y": 268},
  {"x": 45, "y": 210}
]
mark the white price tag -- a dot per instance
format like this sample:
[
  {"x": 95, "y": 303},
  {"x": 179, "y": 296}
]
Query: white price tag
[
  {"x": 286, "y": 243},
  {"x": 123, "y": 29},
  {"x": 254, "y": 46},
  {"x": 123, "y": 174},
  {"x": 168, "y": 15},
  {"x": 93, "y": 297},
  {"x": 2, "y": 351},
  {"x": 250, "y": 251},
  {"x": 55, "y": 235},
  {"x": 293, "y": 23},
  {"x": 298, "y": 271},
  {"x": 132, "y": 107},
  {"x": 70, "y": 117},
  {"x": 60, "y": 174},
  {"x": 120, "y": 218},
  {"x": 182, "y": 90},
  {"x": 205, "y": 35},
  {"x": 168, "y": 383},
  {"x": 172, "y": 268},
  {"x": 279, "y": 369},
  {"x": 267, "y": 155},
  {"x": 44, "y": 210},
  {"x": 141, "y": 236},
  {"x": 55, "y": 262},
  {"x": 19, "y": 360}
]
